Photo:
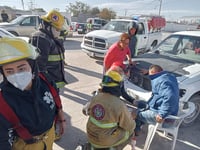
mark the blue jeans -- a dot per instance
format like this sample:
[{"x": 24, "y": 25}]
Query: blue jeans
[{"x": 145, "y": 116}]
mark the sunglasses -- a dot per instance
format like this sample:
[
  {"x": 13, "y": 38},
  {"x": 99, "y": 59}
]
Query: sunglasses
[{"x": 107, "y": 79}]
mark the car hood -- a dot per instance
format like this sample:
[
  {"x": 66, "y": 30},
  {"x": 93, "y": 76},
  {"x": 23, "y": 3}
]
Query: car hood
[
  {"x": 105, "y": 34},
  {"x": 180, "y": 67},
  {"x": 6, "y": 24},
  {"x": 23, "y": 38}
]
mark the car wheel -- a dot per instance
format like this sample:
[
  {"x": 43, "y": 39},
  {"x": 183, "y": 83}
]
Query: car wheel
[{"x": 188, "y": 121}]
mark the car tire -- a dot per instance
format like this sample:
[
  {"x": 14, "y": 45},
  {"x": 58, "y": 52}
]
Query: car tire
[{"x": 188, "y": 121}]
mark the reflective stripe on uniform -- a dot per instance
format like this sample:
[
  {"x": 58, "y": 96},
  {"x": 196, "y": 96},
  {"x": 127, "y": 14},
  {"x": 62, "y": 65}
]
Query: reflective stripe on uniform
[
  {"x": 55, "y": 57},
  {"x": 126, "y": 137},
  {"x": 102, "y": 125},
  {"x": 60, "y": 84}
]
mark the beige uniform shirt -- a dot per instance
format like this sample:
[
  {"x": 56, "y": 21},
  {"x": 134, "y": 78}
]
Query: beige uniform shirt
[{"x": 109, "y": 121}]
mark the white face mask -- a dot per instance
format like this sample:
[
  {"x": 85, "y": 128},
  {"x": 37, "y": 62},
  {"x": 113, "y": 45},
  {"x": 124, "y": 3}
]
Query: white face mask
[
  {"x": 55, "y": 33},
  {"x": 20, "y": 80}
]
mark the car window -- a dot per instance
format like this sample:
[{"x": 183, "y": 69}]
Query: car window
[
  {"x": 29, "y": 21},
  {"x": 97, "y": 21},
  {"x": 17, "y": 20},
  {"x": 119, "y": 26},
  {"x": 185, "y": 47},
  {"x": 140, "y": 28},
  {"x": 168, "y": 45}
]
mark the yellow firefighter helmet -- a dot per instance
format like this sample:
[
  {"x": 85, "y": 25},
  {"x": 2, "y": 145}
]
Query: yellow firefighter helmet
[
  {"x": 56, "y": 19},
  {"x": 111, "y": 79},
  {"x": 14, "y": 49}
]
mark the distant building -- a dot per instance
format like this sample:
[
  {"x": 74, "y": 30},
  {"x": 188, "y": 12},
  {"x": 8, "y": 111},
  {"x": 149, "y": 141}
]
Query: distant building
[
  {"x": 189, "y": 20},
  {"x": 14, "y": 13}
]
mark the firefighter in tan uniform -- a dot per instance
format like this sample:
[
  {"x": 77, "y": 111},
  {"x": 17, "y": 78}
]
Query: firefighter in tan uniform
[{"x": 110, "y": 124}]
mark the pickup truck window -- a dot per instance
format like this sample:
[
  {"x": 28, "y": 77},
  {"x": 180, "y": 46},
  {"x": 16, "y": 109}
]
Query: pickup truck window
[
  {"x": 141, "y": 28},
  {"x": 119, "y": 26}
]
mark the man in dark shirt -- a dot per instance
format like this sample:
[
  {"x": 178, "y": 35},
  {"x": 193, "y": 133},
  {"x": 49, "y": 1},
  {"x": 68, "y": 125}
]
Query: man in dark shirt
[{"x": 4, "y": 16}]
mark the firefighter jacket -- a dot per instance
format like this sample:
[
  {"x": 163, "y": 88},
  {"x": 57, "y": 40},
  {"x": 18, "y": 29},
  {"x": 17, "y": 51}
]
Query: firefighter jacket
[
  {"x": 51, "y": 59},
  {"x": 110, "y": 123},
  {"x": 36, "y": 111}
]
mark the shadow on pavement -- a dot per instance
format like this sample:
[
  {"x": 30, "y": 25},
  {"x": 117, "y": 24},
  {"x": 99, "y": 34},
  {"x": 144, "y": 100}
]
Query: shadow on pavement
[
  {"x": 84, "y": 71},
  {"x": 72, "y": 45},
  {"x": 72, "y": 135},
  {"x": 184, "y": 142},
  {"x": 75, "y": 96},
  {"x": 70, "y": 78}
]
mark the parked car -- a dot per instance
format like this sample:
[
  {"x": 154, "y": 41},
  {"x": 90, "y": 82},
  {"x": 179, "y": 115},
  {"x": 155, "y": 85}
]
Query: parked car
[
  {"x": 23, "y": 25},
  {"x": 5, "y": 33},
  {"x": 82, "y": 28},
  {"x": 179, "y": 54}
]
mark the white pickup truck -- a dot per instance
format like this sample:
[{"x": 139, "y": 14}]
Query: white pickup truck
[{"x": 96, "y": 43}]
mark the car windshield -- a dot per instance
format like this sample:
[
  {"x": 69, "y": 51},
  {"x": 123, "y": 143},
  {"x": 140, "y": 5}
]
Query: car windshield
[
  {"x": 184, "y": 47},
  {"x": 119, "y": 26}
]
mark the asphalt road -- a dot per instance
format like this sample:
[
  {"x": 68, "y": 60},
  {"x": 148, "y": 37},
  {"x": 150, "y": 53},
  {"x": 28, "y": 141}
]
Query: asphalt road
[{"x": 84, "y": 75}]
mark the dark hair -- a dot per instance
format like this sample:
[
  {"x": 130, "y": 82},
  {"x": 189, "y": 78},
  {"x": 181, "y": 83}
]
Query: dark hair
[
  {"x": 133, "y": 25},
  {"x": 116, "y": 90}
]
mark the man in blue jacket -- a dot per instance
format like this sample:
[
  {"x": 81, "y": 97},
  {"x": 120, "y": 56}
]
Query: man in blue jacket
[{"x": 164, "y": 100}]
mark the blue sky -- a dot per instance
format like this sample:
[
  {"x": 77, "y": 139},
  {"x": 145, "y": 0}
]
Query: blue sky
[{"x": 172, "y": 9}]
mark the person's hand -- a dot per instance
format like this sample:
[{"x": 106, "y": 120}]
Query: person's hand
[
  {"x": 144, "y": 71},
  {"x": 61, "y": 124},
  {"x": 134, "y": 114},
  {"x": 159, "y": 119}
]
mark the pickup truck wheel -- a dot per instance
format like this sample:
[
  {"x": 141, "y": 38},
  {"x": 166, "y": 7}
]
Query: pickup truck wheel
[
  {"x": 14, "y": 33},
  {"x": 188, "y": 121}
]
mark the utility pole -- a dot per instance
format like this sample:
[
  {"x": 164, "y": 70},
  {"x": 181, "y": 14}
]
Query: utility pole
[
  {"x": 125, "y": 12},
  {"x": 22, "y": 4},
  {"x": 160, "y": 7}
]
